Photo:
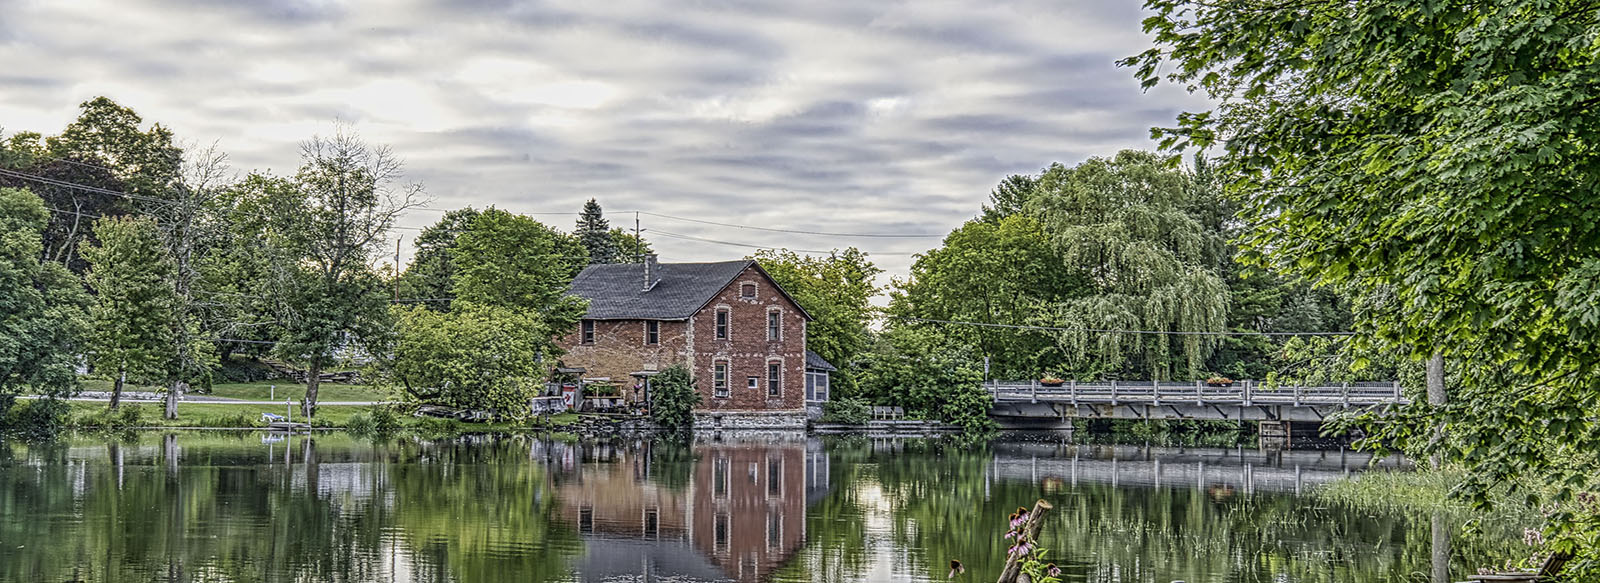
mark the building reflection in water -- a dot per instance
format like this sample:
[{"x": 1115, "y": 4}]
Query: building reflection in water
[{"x": 731, "y": 508}]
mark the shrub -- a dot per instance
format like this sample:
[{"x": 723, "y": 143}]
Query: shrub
[
  {"x": 852, "y": 410},
  {"x": 376, "y": 422},
  {"x": 673, "y": 399},
  {"x": 122, "y": 417},
  {"x": 36, "y": 419}
]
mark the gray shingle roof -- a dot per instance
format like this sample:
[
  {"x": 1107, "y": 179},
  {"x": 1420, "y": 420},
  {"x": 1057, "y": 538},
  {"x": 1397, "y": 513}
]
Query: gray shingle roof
[
  {"x": 814, "y": 361},
  {"x": 615, "y": 292}
]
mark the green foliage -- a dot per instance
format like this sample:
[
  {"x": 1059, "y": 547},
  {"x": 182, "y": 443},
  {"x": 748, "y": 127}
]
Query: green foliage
[
  {"x": 512, "y": 261},
  {"x": 673, "y": 398},
  {"x": 915, "y": 370},
  {"x": 35, "y": 419},
  {"x": 837, "y": 292},
  {"x": 1009, "y": 198},
  {"x": 1441, "y": 158},
  {"x": 134, "y": 314},
  {"x": 376, "y": 422},
  {"x": 473, "y": 357},
  {"x": 852, "y": 410},
  {"x": 431, "y": 274},
  {"x": 125, "y": 417},
  {"x": 630, "y": 249},
  {"x": 1122, "y": 224},
  {"x": 1000, "y": 271},
  {"x": 42, "y": 319},
  {"x": 594, "y": 233}
]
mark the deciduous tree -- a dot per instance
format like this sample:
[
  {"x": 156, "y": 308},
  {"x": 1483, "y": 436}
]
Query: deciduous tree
[
  {"x": 135, "y": 306},
  {"x": 42, "y": 305}
]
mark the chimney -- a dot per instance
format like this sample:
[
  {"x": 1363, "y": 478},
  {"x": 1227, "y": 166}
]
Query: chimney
[{"x": 651, "y": 271}]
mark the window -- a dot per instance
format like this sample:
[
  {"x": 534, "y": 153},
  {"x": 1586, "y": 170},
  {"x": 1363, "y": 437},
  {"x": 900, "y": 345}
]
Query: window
[
  {"x": 774, "y": 530},
  {"x": 753, "y": 382},
  {"x": 586, "y": 519},
  {"x": 652, "y": 522},
  {"x": 722, "y": 324},
  {"x": 719, "y": 477},
  {"x": 774, "y": 477},
  {"x": 719, "y": 379},
  {"x": 811, "y": 386},
  {"x": 747, "y": 291},
  {"x": 774, "y": 325},
  {"x": 720, "y": 532},
  {"x": 816, "y": 386},
  {"x": 588, "y": 332},
  {"x": 774, "y": 379},
  {"x": 652, "y": 332}
]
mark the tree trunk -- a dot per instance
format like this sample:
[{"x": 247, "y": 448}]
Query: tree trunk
[
  {"x": 308, "y": 406},
  {"x": 1013, "y": 569},
  {"x": 116, "y": 388},
  {"x": 176, "y": 392},
  {"x": 1437, "y": 397}
]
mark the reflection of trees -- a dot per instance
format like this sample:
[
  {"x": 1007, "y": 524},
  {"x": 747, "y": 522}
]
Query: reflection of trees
[
  {"x": 341, "y": 511},
  {"x": 946, "y": 507}
]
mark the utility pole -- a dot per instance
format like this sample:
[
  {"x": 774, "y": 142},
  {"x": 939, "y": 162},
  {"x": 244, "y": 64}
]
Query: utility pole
[
  {"x": 397, "y": 266},
  {"x": 638, "y": 243}
]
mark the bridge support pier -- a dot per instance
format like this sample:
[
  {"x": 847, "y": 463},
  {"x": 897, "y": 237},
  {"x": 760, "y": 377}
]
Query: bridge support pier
[{"x": 1275, "y": 434}]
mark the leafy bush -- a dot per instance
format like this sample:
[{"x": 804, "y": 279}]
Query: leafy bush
[
  {"x": 854, "y": 410},
  {"x": 36, "y": 419},
  {"x": 378, "y": 421},
  {"x": 673, "y": 399}
]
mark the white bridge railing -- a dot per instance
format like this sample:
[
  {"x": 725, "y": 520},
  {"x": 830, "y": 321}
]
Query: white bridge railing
[{"x": 1245, "y": 393}]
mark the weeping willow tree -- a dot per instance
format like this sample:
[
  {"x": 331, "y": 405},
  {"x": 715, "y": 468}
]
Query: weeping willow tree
[{"x": 1149, "y": 265}]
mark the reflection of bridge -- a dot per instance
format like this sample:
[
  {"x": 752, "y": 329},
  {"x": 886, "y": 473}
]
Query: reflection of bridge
[
  {"x": 1242, "y": 401},
  {"x": 1241, "y": 470}
]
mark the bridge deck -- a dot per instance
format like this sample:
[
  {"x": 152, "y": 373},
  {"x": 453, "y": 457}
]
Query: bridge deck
[{"x": 1246, "y": 393}]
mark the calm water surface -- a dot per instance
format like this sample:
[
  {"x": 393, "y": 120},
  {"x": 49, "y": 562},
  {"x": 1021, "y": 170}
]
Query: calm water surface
[{"x": 257, "y": 507}]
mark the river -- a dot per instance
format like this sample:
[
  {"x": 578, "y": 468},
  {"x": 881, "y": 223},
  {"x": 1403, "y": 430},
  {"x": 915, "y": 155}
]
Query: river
[{"x": 781, "y": 508}]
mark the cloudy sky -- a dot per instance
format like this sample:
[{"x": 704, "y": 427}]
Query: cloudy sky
[{"x": 841, "y": 116}]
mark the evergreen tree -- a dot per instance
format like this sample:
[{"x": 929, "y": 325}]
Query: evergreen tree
[
  {"x": 134, "y": 314},
  {"x": 595, "y": 234}
]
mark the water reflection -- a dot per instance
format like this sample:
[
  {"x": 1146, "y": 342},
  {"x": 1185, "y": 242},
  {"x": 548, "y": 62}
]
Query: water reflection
[{"x": 781, "y": 508}]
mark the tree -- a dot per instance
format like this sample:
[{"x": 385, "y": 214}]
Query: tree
[
  {"x": 1009, "y": 197},
  {"x": 472, "y": 357},
  {"x": 1440, "y": 158},
  {"x": 837, "y": 291},
  {"x": 42, "y": 306},
  {"x": 1005, "y": 271},
  {"x": 595, "y": 234},
  {"x": 630, "y": 248},
  {"x": 102, "y": 153},
  {"x": 324, "y": 227},
  {"x": 673, "y": 398},
  {"x": 1120, "y": 223},
  {"x": 513, "y": 261},
  {"x": 917, "y": 369},
  {"x": 432, "y": 270},
  {"x": 135, "y": 309}
]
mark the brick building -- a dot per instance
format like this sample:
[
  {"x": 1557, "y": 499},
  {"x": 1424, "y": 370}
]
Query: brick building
[{"x": 740, "y": 335}]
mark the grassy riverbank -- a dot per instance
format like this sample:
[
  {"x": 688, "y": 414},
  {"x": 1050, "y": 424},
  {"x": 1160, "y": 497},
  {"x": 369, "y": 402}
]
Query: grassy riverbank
[{"x": 96, "y": 415}]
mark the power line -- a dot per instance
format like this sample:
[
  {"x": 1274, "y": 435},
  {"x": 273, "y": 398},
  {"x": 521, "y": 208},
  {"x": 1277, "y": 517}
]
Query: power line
[
  {"x": 74, "y": 185},
  {"x": 795, "y": 231},
  {"x": 753, "y": 246},
  {"x": 1113, "y": 331}
]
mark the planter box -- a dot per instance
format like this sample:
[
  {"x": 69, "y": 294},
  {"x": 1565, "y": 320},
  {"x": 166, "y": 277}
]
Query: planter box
[{"x": 1055, "y": 384}]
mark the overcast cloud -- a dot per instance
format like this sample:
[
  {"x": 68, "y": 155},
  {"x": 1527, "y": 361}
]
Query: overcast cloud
[{"x": 843, "y": 116}]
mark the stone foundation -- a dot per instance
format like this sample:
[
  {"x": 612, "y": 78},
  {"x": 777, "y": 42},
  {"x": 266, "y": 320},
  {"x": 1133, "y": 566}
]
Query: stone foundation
[{"x": 750, "y": 420}]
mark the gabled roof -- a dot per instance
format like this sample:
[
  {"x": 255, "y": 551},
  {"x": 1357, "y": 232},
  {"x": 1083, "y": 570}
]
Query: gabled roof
[
  {"x": 615, "y": 291},
  {"x": 815, "y": 361}
]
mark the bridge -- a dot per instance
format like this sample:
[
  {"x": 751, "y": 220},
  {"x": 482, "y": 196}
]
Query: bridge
[
  {"x": 1016, "y": 403},
  {"x": 1233, "y": 469}
]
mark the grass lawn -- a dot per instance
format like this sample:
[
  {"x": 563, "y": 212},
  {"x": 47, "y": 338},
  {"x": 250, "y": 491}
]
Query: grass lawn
[
  {"x": 262, "y": 391},
  {"x": 191, "y": 414}
]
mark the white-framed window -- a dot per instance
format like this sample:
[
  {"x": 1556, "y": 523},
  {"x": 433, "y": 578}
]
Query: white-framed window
[
  {"x": 722, "y": 323},
  {"x": 588, "y": 332},
  {"x": 652, "y": 332},
  {"x": 753, "y": 382},
  {"x": 774, "y": 325},
  {"x": 719, "y": 379},
  {"x": 774, "y": 379},
  {"x": 816, "y": 386}
]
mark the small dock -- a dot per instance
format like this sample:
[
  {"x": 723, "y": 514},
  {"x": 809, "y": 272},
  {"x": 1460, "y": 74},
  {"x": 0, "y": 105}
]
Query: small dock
[{"x": 288, "y": 426}]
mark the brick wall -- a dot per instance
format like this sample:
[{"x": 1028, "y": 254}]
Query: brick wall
[
  {"x": 747, "y": 351},
  {"x": 619, "y": 348}
]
